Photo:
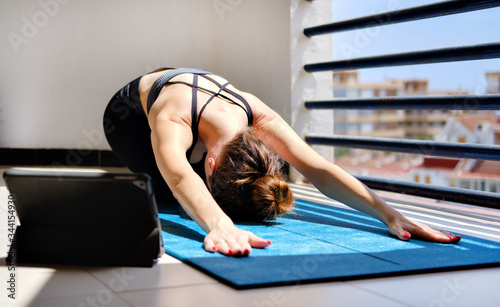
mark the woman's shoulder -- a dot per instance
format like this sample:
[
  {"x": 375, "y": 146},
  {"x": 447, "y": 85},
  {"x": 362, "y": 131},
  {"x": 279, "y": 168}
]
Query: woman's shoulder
[
  {"x": 147, "y": 81},
  {"x": 262, "y": 113},
  {"x": 173, "y": 103}
]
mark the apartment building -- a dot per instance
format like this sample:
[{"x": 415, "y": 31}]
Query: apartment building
[
  {"x": 472, "y": 174},
  {"x": 446, "y": 126},
  {"x": 412, "y": 124},
  {"x": 493, "y": 82}
]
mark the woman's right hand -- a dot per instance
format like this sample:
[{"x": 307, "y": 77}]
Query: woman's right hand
[{"x": 229, "y": 240}]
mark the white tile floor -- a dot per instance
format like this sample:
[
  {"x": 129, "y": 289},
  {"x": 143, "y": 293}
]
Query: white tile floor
[{"x": 172, "y": 283}]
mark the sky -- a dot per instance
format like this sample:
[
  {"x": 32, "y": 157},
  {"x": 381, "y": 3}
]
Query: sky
[{"x": 477, "y": 27}]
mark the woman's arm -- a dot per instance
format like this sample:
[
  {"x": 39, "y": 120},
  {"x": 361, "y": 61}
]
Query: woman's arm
[
  {"x": 170, "y": 141},
  {"x": 336, "y": 183}
]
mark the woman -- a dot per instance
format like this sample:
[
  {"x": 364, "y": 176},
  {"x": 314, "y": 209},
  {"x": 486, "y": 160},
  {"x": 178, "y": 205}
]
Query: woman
[{"x": 217, "y": 149}]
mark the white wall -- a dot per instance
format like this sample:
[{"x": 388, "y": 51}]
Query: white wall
[
  {"x": 437, "y": 177},
  {"x": 62, "y": 60},
  {"x": 310, "y": 86},
  {"x": 453, "y": 131}
]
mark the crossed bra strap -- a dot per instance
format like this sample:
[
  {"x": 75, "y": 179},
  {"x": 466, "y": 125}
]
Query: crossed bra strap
[{"x": 165, "y": 78}]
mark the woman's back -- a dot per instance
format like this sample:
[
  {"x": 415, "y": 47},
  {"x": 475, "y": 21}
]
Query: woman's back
[{"x": 218, "y": 104}]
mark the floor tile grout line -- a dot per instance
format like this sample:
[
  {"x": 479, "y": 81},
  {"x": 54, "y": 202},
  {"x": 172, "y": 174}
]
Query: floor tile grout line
[
  {"x": 85, "y": 268},
  {"x": 126, "y": 301},
  {"x": 123, "y": 295},
  {"x": 217, "y": 283},
  {"x": 58, "y": 269},
  {"x": 141, "y": 290},
  {"x": 353, "y": 284},
  {"x": 32, "y": 303}
]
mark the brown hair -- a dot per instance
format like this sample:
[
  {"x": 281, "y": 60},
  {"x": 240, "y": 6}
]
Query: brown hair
[{"x": 248, "y": 183}]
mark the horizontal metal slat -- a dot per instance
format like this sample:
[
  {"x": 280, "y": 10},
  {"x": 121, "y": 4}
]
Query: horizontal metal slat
[
  {"x": 410, "y": 14},
  {"x": 464, "y": 53},
  {"x": 471, "y": 197},
  {"x": 459, "y": 150},
  {"x": 458, "y": 102}
]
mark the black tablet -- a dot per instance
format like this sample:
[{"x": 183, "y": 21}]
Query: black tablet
[{"x": 84, "y": 217}]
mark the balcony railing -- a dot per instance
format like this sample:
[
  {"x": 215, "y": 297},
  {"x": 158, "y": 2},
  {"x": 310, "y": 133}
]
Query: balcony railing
[{"x": 462, "y": 102}]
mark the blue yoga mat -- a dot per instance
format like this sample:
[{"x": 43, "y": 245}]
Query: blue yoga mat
[{"x": 320, "y": 243}]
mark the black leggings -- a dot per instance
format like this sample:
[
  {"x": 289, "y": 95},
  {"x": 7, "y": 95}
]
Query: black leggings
[{"x": 127, "y": 131}]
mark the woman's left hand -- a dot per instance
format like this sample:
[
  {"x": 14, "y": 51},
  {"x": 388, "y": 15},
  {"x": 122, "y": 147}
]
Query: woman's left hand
[
  {"x": 230, "y": 240},
  {"x": 405, "y": 228}
]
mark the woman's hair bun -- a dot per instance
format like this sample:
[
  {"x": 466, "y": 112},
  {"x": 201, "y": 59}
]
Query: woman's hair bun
[
  {"x": 272, "y": 194},
  {"x": 249, "y": 184}
]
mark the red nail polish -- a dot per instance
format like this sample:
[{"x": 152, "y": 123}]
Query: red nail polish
[
  {"x": 269, "y": 242},
  {"x": 230, "y": 252},
  {"x": 214, "y": 248},
  {"x": 406, "y": 236}
]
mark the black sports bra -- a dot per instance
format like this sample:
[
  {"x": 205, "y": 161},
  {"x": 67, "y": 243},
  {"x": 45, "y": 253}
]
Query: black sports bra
[{"x": 165, "y": 78}]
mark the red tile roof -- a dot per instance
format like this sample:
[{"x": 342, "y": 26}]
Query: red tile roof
[
  {"x": 470, "y": 120},
  {"x": 430, "y": 162},
  {"x": 486, "y": 166}
]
